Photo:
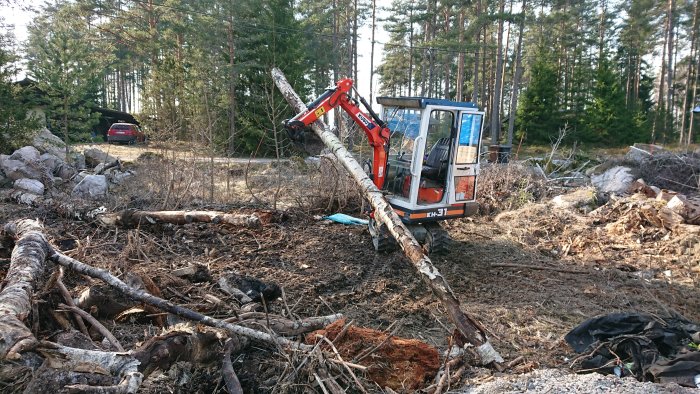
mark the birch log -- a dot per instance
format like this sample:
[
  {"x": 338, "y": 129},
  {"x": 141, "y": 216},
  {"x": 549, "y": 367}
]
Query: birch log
[
  {"x": 26, "y": 266},
  {"x": 385, "y": 214},
  {"x": 132, "y": 218}
]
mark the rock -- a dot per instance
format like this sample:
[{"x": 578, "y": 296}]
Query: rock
[
  {"x": 99, "y": 168},
  {"x": 47, "y": 142},
  {"x": 94, "y": 156},
  {"x": 4, "y": 181},
  {"x": 50, "y": 161},
  {"x": 690, "y": 210},
  {"x": 27, "y": 154},
  {"x": 29, "y": 185},
  {"x": 17, "y": 169},
  {"x": 65, "y": 171},
  {"x": 639, "y": 186},
  {"x": 119, "y": 177},
  {"x": 77, "y": 160},
  {"x": 576, "y": 199},
  {"x": 91, "y": 187},
  {"x": 617, "y": 179}
]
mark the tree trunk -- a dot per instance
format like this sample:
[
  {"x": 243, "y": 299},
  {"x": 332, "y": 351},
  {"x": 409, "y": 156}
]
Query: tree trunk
[
  {"x": 460, "y": 60},
  {"x": 384, "y": 213},
  {"x": 670, "y": 68},
  {"x": 231, "y": 90},
  {"x": 516, "y": 77},
  {"x": 65, "y": 123},
  {"x": 496, "y": 108},
  {"x": 371, "y": 55},
  {"x": 692, "y": 68}
]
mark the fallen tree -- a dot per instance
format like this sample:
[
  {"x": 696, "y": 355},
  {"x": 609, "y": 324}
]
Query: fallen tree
[
  {"x": 132, "y": 218},
  {"x": 469, "y": 329}
]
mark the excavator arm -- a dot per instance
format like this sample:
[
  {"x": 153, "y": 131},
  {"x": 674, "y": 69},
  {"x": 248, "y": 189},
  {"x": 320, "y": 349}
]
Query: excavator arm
[{"x": 375, "y": 129}]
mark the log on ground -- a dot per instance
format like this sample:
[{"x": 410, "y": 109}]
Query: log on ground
[{"x": 133, "y": 218}]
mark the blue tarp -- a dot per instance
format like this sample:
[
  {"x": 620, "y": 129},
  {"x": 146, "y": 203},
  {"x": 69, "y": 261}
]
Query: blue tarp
[{"x": 346, "y": 219}]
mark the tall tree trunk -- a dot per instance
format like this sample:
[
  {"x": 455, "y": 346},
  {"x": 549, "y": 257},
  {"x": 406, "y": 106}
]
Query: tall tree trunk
[
  {"x": 475, "y": 90},
  {"x": 692, "y": 68},
  {"x": 371, "y": 56},
  {"x": 231, "y": 88},
  {"x": 460, "y": 59},
  {"x": 516, "y": 77},
  {"x": 670, "y": 68},
  {"x": 601, "y": 31},
  {"x": 447, "y": 59},
  {"x": 65, "y": 123},
  {"x": 693, "y": 115},
  {"x": 496, "y": 109},
  {"x": 410, "y": 51}
]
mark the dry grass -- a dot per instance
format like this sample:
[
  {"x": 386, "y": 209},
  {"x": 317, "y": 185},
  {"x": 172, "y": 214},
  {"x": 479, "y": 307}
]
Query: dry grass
[
  {"x": 503, "y": 187},
  {"x": 171, "y": 179}
]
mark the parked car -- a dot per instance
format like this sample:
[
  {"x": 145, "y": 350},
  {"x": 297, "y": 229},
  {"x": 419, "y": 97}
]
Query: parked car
[{"x": 125, "y": 132}]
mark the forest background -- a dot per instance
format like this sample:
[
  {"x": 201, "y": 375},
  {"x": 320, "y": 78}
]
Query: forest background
[{"x": 602, "y": 72}]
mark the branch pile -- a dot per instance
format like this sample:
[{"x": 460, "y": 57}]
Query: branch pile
[{"x": 77, "y": 364}]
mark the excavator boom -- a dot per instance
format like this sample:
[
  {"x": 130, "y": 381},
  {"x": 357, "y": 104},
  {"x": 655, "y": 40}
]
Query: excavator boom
[{"x": 374, "y": 128}]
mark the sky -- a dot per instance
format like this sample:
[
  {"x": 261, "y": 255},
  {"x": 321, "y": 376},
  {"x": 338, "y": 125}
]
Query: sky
[{"x": 20, "y": 17}]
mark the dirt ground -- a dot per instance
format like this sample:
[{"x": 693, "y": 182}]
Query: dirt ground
[{"x": 528, "y": 278}]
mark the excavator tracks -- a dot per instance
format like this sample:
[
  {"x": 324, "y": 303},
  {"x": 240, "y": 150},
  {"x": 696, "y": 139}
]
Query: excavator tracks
[{"x": 434, "y": 238}]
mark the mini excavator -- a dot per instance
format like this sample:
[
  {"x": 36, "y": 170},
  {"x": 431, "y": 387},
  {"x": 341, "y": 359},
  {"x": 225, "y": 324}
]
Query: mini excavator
[{"x": 425, "y": 157}]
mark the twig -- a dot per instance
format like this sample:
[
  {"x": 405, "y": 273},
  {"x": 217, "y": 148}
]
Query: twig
[
  {"x": 286, "y": 306},
  {"x": 342, "y": 332},
  {"x": 69, "y": 300},
  {"x": 95, "y": 323},
  {"x": 233, "y": 385},
  {"x": 367, "y": 353},
  {"x": 536, "y": 267},
  {"x": 326, "y": 304},
  {"x": 343, "y": 363},
  {"x": 320, "y": 383}
]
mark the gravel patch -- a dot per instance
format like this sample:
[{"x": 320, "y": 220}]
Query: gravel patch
[{"x": 554, "y": 381}]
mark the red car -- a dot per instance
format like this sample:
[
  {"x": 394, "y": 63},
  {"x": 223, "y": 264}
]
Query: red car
[{"x": 125, "y": 132}]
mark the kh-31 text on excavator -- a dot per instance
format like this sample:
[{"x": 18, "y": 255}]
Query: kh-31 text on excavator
[{"x": 425, "y": 157}]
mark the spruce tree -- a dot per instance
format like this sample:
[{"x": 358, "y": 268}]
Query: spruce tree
[
  {"x": 538, "y": 116},
  {"x": 67, "y": 66},
  {"x": 16, "y": 125}
]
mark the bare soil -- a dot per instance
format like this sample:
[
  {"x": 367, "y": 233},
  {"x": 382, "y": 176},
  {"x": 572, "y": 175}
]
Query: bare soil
[{"x": 557, "y": 268}]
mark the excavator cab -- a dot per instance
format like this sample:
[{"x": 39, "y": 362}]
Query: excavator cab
[
  {"x": 425, "y": 156},
  {"x": 432, "y": 165}
]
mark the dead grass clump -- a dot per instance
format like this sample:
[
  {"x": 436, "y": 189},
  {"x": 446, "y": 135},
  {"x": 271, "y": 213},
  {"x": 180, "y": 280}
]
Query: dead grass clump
[
  {"x": 326, "y": 187},
  {"x": 543, "y": 227},
  {"x": 504, "y": 187}
]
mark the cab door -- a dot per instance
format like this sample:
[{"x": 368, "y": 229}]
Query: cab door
[{"x": 465, "y": 160}]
